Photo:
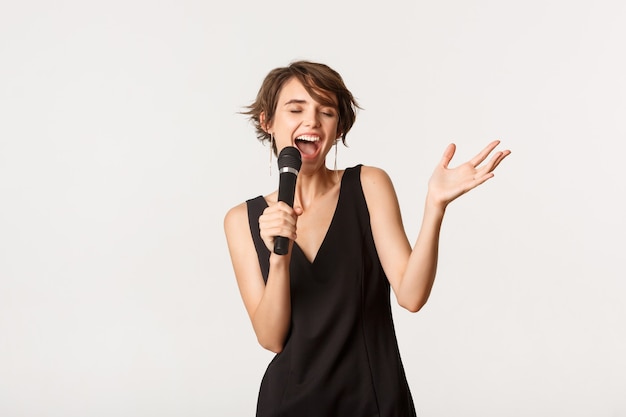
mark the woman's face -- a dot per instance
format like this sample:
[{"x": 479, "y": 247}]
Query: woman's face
[{"x": 302, "y": 122}]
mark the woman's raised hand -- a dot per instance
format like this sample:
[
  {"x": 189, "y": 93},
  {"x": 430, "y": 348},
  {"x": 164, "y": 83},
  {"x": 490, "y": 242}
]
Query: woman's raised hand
[{"x": 446, "y": 184}]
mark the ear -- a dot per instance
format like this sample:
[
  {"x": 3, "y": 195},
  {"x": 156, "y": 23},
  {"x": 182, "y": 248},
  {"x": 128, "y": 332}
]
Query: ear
[{"x": 263, "y": 123}]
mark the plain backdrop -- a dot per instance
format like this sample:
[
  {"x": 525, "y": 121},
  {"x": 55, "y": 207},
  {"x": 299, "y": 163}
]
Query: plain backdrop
[{"x": 121, "y": 149}]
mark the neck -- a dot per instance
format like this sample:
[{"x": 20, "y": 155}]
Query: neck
[{"x": 311, "y": 186}]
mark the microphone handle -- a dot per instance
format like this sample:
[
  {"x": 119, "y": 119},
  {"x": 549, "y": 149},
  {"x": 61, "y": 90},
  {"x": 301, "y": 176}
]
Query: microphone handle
[
  {"x": 286, "y": 193},
  {"x": 281, "y": 245}
]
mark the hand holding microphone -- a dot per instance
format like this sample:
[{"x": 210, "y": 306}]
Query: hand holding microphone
[{"x": 289, "y": 163}]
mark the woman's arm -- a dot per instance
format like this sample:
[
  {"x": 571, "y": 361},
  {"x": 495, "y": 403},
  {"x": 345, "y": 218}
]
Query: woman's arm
[
  {"x": 411, "y": 271},
  {"x": 268, "y": 304}
]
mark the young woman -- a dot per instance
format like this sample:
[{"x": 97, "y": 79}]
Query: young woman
[{"x": 324, "y": 307}]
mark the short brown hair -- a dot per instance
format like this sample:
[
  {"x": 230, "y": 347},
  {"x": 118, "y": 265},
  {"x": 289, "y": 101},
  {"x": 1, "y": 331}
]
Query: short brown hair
[{"x": 319, "y": 80}]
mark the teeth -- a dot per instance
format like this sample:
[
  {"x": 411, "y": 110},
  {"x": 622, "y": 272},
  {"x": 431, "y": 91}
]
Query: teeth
[{"x": 308, "y": 138}]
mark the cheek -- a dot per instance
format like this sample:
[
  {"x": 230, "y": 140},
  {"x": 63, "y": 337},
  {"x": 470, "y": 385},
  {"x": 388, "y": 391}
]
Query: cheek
[
  {"x": 331, "y": 125},
  {"x": 289, "y": 122}
]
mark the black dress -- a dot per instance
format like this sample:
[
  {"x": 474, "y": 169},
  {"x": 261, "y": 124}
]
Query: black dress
[{"x": 341, "y": 355}]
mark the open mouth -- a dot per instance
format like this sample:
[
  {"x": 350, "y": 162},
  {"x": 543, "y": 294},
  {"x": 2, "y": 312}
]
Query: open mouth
[{"x": 307, "y": 144}]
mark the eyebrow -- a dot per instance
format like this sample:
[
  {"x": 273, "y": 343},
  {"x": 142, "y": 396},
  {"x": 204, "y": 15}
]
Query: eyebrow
[
  {"x": 295, "y": 101},
  {"x": 302, "y": 101}
]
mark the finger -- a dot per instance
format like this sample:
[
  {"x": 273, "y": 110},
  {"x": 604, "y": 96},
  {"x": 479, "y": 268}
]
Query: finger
[
  {"x": 481, "y": 179},
  {"x": 497, "y": 158},
  {"x": 493, "y": 162},
  {"x": 487, "y": 171},
  {"x": 283, "y": 207},
  {"x": 500, "y": 159},
  {"x": 482, "y": 155},
  {"x": 278, "y": 217},
  {"x": 272, "y": 228},
  {"x": 447, "y": 155}
]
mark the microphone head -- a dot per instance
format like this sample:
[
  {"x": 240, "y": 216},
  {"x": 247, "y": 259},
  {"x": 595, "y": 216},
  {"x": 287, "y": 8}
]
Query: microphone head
[{"x": 289, "y": 157}]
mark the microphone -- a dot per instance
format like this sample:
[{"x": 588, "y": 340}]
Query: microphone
[{"x": 289, "y": 163}]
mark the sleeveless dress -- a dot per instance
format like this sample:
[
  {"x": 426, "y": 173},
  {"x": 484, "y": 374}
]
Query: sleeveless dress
[{"x": 341, "y": 355}]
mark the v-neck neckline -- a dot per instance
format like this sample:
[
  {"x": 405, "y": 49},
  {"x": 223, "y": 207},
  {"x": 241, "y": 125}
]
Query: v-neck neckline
[{"x": 312, "y": 262}]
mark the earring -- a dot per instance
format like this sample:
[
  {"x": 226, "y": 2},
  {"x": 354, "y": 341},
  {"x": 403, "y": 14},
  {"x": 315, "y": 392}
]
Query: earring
[
  {"x": 335, "y": 164},
  {"x": 272, "y": 141}
]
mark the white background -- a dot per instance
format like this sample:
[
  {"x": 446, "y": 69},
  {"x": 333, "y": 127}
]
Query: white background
[{"x": 121, "y": 149}]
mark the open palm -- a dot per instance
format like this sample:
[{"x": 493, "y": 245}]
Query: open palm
[{"x": 446, "y": 184}]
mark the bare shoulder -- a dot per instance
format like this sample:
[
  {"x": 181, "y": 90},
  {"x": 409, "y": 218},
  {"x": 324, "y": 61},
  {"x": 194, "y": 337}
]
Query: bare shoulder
[
  {"x": 236, "y": 218},
  {"x": 380, "y": 195},
  {"x": 375, "y": 181}
]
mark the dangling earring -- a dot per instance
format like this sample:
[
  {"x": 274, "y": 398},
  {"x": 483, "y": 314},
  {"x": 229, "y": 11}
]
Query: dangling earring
[
  {"x": 271, "y": 151},
  {"x": 335, "y": 164}
]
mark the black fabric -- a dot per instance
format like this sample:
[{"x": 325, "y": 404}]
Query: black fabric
[
  {"x": 255, "y": 209},
  {"x": 341, "y": 356}
]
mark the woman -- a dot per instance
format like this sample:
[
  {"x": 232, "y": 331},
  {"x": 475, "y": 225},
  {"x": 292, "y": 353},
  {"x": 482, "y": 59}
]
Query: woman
[{"x": 324, "y": 307}]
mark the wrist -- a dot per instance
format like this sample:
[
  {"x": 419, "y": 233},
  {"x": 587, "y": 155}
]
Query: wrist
[
  {"x": 280, "y": 261},
  {"x": 435, "y": 206}
]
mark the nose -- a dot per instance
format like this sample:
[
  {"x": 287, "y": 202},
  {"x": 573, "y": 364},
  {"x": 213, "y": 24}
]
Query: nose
[{"x": 312, "y": 119}]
